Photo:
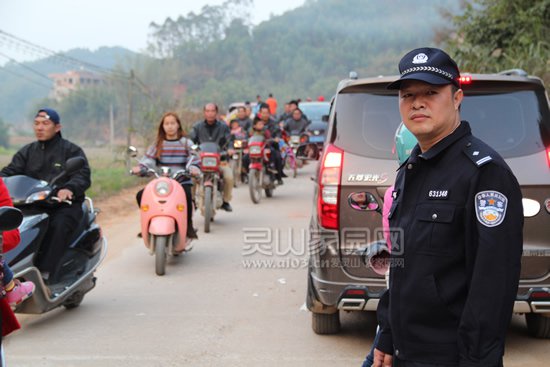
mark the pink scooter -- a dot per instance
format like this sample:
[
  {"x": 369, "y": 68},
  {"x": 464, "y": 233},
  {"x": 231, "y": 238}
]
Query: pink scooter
[{"x": 164, "y": 215}]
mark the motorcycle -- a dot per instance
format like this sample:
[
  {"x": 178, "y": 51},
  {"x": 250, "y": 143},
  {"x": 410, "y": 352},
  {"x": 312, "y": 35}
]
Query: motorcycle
[
  {"x": 210, "y": 184},
  {"x": 88, "y": 247},
  {"x": 164, "y": 214},
  {"x": 260, "y": 174},
  {"x": 296, "y": 140},
  {"x": 236, "y": 162}
]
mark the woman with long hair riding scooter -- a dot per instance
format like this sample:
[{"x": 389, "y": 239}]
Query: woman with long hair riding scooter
[{"x": 171, "y": 149}]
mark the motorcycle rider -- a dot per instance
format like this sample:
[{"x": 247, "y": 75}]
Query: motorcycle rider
[
  {"x": 243, "y": 119},
  {"x": 276, "y": 133},
  {"x": 212, "y": 130},
  {"x": 44, "y": 159},
  {"x": 292, "y": 105},
  {"x": 258, "y": 128},
  {"x": 171, "y": 149},
  {"x": 285, "y": 115},
  {"x": 297, "y": 123}
]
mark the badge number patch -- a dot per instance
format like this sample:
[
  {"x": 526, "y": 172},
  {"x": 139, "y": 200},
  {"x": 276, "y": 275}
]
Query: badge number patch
[{"x": 490, "y": 208}]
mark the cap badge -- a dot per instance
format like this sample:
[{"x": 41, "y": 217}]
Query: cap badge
[{"x": 421, "y": 58}]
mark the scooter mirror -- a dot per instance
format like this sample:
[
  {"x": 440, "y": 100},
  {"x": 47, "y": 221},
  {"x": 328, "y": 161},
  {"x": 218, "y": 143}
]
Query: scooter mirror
[
  {"x": 363, "y": 201},
  {"x": 74, "y": 164},
  {"x": 10, "y": 218},
  {"x": 308, "y": 151},
  {"x": 132, "y": 151}
]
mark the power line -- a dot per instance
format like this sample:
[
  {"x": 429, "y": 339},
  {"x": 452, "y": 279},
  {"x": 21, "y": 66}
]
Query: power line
[
  {"x": 26, "y": 67},
  {"x": 24, "y": 77},
  {"x": 14, "y": 41}
]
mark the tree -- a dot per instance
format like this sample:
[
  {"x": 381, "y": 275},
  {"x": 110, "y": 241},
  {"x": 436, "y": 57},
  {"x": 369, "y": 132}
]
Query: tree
[{"x": 495, "y": 35}]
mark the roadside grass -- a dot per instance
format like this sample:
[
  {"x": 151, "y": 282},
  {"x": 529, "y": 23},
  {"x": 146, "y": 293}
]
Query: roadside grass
[{"x": 109, "y": 173}]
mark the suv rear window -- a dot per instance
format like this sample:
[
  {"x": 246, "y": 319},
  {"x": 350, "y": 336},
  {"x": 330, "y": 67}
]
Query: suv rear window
[{"x": 513, "y": 121}]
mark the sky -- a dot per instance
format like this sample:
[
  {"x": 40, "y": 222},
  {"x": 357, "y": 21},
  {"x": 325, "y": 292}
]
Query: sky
[{"x": 60, "y": 25}]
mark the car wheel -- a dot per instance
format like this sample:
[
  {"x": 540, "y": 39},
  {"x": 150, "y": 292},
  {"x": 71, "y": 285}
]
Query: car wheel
[
  {"x": 325, "y": 323},
  {"x": 538, "y": 325}
]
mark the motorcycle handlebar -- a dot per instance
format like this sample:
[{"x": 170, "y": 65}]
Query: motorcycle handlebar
[{"x": 66, "y": 201}]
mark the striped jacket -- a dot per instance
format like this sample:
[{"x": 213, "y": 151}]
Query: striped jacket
[{"x": 174, "y": 154}]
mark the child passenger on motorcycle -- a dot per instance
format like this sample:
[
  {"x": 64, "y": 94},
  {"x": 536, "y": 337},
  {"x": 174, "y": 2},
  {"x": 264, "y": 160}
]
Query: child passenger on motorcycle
[
  {"x": 171, "y": 149},
  {"x": 237, "y": 132}
]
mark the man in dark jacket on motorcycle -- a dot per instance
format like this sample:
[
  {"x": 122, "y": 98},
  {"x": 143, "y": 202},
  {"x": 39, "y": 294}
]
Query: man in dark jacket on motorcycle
[
  {"x": 44, "y": 159},
  {"x": 275, "y": 131},
  {"x": 297, "y": 123},
  {"x": 211, "y": 130}
]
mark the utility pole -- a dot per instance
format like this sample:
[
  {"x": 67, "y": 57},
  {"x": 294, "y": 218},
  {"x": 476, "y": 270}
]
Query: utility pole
[
  {"x": 112, "y": 128},
  {"x": 130, "y": 123}
]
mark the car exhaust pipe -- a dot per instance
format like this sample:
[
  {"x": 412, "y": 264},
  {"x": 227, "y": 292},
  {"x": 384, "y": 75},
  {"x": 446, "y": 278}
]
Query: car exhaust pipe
[{"x": 351, "y": 304}]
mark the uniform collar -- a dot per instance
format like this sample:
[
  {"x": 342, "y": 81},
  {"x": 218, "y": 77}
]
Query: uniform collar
[{"x": 462, "y": 130}]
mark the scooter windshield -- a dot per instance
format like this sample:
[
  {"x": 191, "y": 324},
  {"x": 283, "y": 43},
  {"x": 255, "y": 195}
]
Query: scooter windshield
[{"x": 21, "y": 187}]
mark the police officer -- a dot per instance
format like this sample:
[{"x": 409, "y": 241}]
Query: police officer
[{"x": 458, "y": 218}]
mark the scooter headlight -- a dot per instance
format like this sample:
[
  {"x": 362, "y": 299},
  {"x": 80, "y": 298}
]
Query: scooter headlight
[
  {"x": 37, "y": 196},
  {"x": 209, "y": 162},
  {"x": 163, "y": 188}
]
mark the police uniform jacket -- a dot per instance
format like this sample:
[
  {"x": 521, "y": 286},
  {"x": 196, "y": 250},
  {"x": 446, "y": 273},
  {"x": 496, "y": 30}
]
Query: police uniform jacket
[
  {"x": 45, "y": 160},
  {"x": 456, "y": 223}
]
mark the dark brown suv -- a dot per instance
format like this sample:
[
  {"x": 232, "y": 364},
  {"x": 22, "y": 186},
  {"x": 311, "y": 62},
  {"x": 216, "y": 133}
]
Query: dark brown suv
[{"x": 509, "y": 111}]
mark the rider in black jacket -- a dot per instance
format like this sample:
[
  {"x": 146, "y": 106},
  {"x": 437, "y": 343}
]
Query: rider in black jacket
[
  {"x": 44, "y": 159},
  {"x": 211, "y": 130},
  {"x": 276, "y": 133}
]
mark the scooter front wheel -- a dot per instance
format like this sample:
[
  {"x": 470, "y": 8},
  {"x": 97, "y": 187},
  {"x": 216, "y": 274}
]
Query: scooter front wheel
[
  {"x": 254, "y": 185},
  {"x": 160, "y": 254},
  {"x": 207, "y": 208},
  {"x": 234, "y": 168},
  {"x": 74, "y": 301}
]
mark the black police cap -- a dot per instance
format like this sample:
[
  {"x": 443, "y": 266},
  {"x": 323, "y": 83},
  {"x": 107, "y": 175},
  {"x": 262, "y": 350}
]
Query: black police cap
[{"x": 430, "y": 65}]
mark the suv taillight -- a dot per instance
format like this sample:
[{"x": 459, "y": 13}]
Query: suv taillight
[{"x": 329, "y": 187}]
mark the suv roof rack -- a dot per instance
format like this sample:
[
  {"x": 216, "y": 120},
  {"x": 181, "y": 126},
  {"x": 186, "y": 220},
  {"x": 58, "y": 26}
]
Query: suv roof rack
[{"x": 516, "y": 72}]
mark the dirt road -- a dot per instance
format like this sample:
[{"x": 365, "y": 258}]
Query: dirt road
[{"x": 218, "y": 305}]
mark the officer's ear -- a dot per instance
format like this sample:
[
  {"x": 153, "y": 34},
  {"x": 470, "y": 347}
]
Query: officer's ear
[
  {"x": 57, "y": 128},
  {"x": 458, "y": 96}
]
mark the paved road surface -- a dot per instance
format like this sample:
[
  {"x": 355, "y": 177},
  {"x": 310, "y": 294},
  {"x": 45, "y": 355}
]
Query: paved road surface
[{"x": 210, "y": 309}]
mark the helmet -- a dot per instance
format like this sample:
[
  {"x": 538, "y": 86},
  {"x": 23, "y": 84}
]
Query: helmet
[{"x": 404, "y": 142}]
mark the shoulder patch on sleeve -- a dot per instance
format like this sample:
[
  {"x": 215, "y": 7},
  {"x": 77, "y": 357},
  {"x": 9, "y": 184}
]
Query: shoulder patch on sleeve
[
  {"x": 490, "y": 207},
  {"x": 477, "y": 154}
]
